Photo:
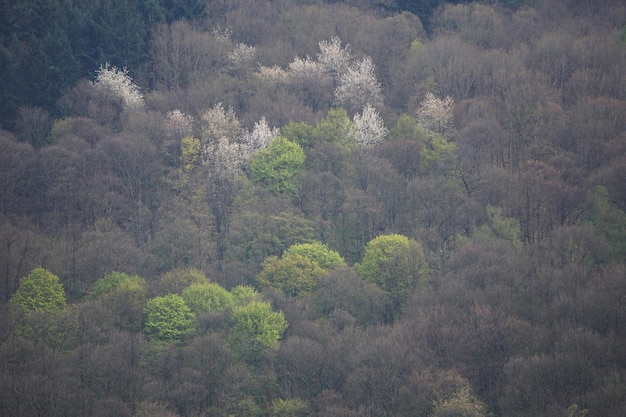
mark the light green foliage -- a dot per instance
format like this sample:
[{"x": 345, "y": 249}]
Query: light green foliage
[
  {"x": 256, "y": 327},
  {"x": 336, "y": 128},
  {"x": 117, "y": 280},
  {"x": 292, "y": 407},
  {"x": 277, "y": 166},
  {"x": 416, "y": 46},
  {"x": 318, "y": 252},
  {"x": 40, "y": 291},
  {"x": 293, "y": 274},
  {"x": 169, "y": 319},
  {"x": 438, "y": 156},
  {"x": 244, "y": 294},
  {"x": 395, "y": 263},
  {"x": 407, "y": 128},
  {"x": 207, "y": 297},
  {"x": 189, "y": 153}
]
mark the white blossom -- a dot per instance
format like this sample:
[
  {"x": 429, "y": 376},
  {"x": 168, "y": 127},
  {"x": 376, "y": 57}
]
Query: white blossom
[
  {"x": 259, "y": 137},
  {"x": 311, "y": 80},
  {"x": 219, "y": 123},
  {"x": 359, "y": 87},
  {"x": 275, "y": 74},
  {"x": 118, "y": 83},
  {"x": 242, "y": 58},
  {"x": 435, "y": 114},
  {"x": 334, "y": 58},
  {"x": 178, "y": 124},
  {"x": 222, "y": 34},
  {"x": 370, "y": 128},
  {"x": 225, "y": 158}
]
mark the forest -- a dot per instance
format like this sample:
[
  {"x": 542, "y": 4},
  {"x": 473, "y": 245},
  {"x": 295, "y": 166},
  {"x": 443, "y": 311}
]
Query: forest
[{"x": 312, "y": 208}]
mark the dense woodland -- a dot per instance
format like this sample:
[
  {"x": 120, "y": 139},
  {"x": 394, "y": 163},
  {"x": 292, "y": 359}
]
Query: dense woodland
[{"x": 301, "y": 208}]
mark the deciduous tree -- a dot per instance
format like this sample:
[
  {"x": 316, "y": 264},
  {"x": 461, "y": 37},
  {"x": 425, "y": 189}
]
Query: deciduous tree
[
  {"x": 117, "y": 82},
  {"x": 256, "y": 328},
  {"x": 369, "y": 127},
  {"x": 40, "y": 290},
  {"x": 293, "y": 274},
  {"x": 396, "y": 264},
  {"x": 169, "y": 319},
  {"x": 277, "y": 166},
  {"x": 358, "y": 87},
  {"x": 207, "y": 297}
]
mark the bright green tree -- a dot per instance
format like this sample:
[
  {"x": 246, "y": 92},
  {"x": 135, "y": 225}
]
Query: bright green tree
[
  {"x": 256, "y": 328},
  {"x": 40, "y": 291},
  {"x": 113, "y": 281},
  {"x": 277, "y": 166},
  {"x": 292, "y": 274},
  {"x": 243, "y": 294},
  {"x": 395, "y": 263},
  {"x": 318, "y": 252},
  {"x": 336, "y": 128},
  {"x": 207, "y": 297},
  {"x": 169, "y": 319}
]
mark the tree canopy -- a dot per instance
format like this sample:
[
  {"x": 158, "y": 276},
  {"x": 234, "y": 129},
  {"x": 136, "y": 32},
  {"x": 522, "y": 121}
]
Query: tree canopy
[{"x": 40, "y": 290}]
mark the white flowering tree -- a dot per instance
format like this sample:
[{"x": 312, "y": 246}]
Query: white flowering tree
[
  {"x": 178, "y": 124},
  {"x": 333, "y": 57},
  {"x": 116, "y": 82},
  {"x": 218, "y": 123},
  {"x": 241, "y": 59},
  {"x": 311, "y": 79},
  {"x": 369, "y": 127},
  {"x": 359, "y": 87},
  {"x": 259, "y": 137},
  {"x": 226, "y": 146},
  {"x": 435, "y": 115},
  {"x": 225, "y": 158},
  {"x": 273, "y": 75}
]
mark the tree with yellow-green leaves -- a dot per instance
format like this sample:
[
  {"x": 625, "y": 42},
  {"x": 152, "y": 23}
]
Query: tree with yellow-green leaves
[
  {"x": 40, "y": 291},
  {"x": 396, "y": 264}
]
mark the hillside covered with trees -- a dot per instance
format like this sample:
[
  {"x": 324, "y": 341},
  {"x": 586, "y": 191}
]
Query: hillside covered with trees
[{"x": 300, "y": 208}]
